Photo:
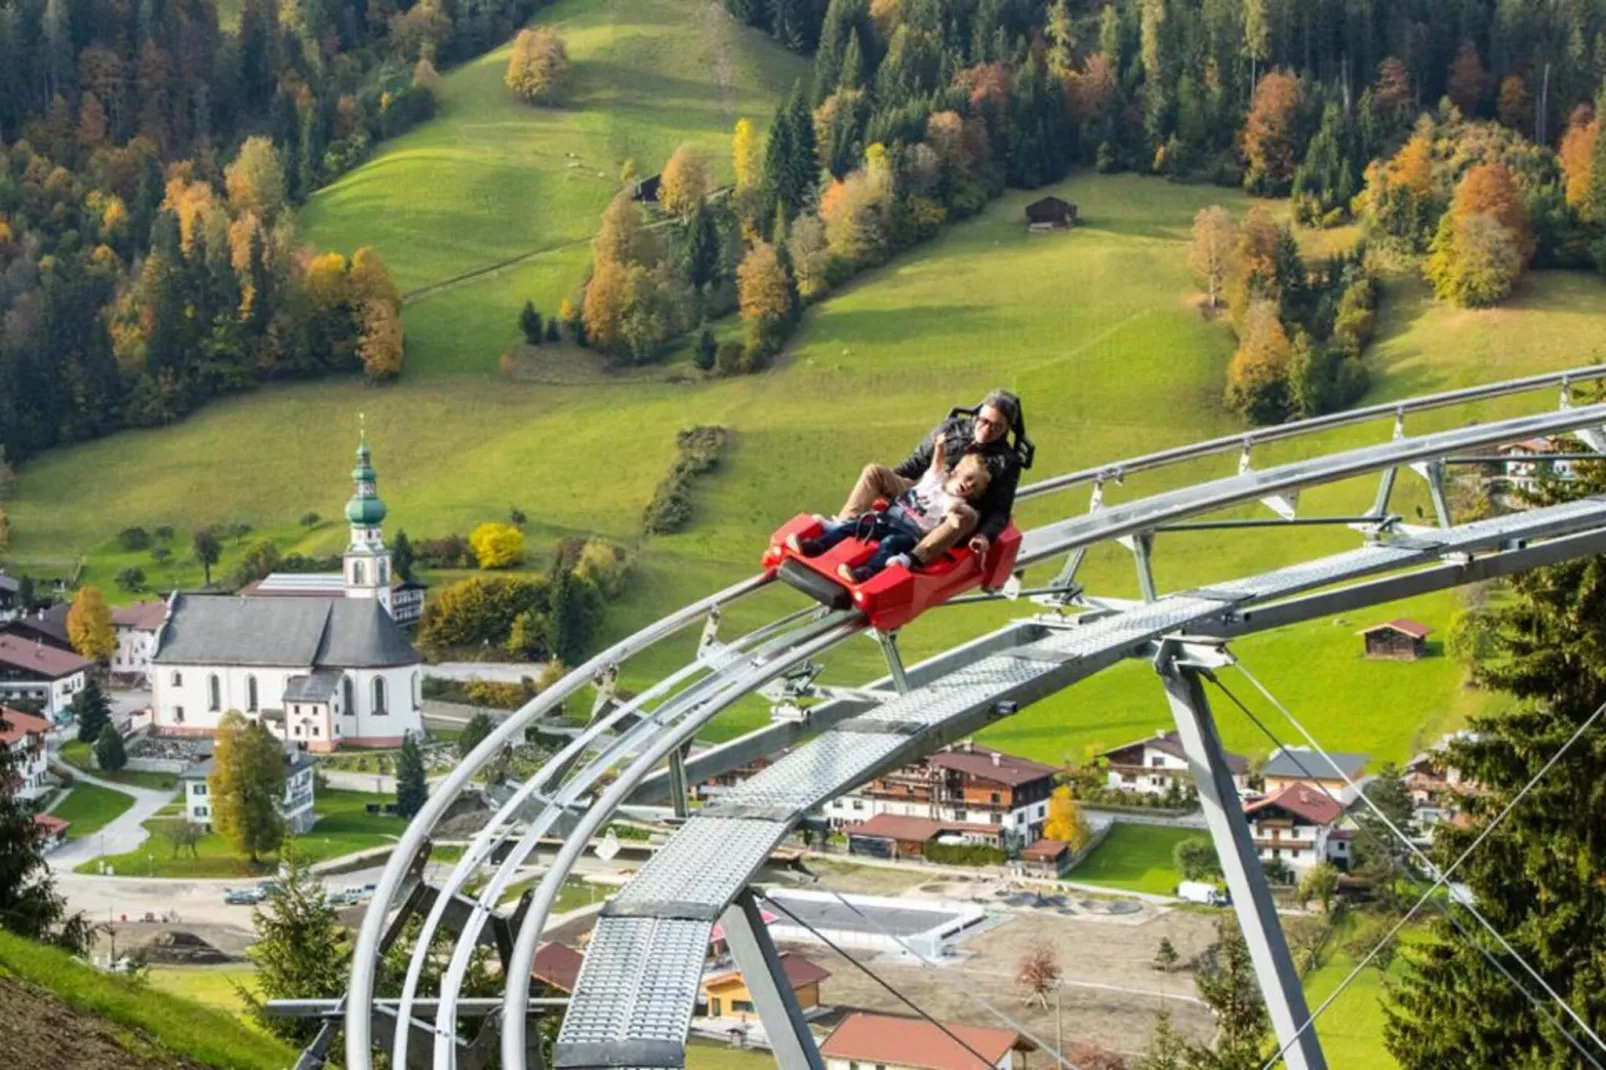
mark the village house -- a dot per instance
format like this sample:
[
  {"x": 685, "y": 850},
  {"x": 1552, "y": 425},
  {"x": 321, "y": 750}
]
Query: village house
[
  {"x": 52, "y": 831},
  {"x": 36, "y": 672},
  {"x": 1045, "y": 859},
  {"x": 1158, "y": 764},
  {"x": 295, "y": 807},
  {"x": 900, "y": 836},
  {"x": 136, "y": 627},
  {"x": 1436, "y": 787},
  {"x": 47, "y": 625},
  {"x": 1528, "y": 461},
  {"x": 724, "y": 993},
  {"x": 1297, "y": 824},
  {"x": 964, "y": 785},
  {"x": 1397, "y": 640},
  {"x": 10, "y": 597},
  {"x": 23, "y": 735},
  {"x": 886, "y": 1042},
  {"x": 1302, "y": 765},
  {"x": 317, "y": 670}
]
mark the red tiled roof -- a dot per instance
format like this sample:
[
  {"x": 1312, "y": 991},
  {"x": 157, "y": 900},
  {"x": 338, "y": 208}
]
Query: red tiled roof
[
  {"x": 1044, "y": 851},
  {"x": 799, "y": 972},
  {"x": 144, "y": 616},
  {"x": 51, "y": 824},
  {"x": 718, "y": 932},
  {"x": 1415, "y": 629},
  {"x": 39, "y": 658},
  {"x": 992, "y": 765},
  {"x": 921, "y": 829},
  {"x": 557, "y": 965},
  {"x": 882, "y": 1038},
  {"x": 18, "y": 724},
  {"x": 1301, "y": 800}
]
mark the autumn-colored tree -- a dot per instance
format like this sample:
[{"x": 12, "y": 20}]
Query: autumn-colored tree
[
  {"x": 1037, "y": 975},
  {"x": 497, "y": 545},
  {"x": 255, "y": 180},
  {"x": 1214, "y": 236},
  {"x": 855, "y": 212},
  {"x": 806, "y": 249},
  {"x": 1467, "y": 78},
  {"x": 421, "y": 30},
  {"x": 369, "y": 279},
  {"x": 1475, "y": 260},
  {"x": 1391, "y": 95},
  {"x": 747, "y": 153},
  {"x": 1269, "y": 133},
  {"x": 684, "y": 182},
  {"x": 89, "y": 625},
  {"x": 1257, "y": 378},
  {"x": 1065, "y": 821},
  {"x": 605, "y": 300},
  {"x": 5, "y": 532},
  {"x": 762, "y": 286},
  {"x": 380, "y": 342},
  {"x": 1412, "y": 166},
  {"x": 1513, "y": 105},
  {"x": 426, "y": 77},
  {"x": 91, "y": 123},
  {"x": 538, "y": 69},
  {"x": 1087, "y": 90},
  {"x": 191, "y": 201},
  {"x": 246, "y": 786},
  {"x": 619, "y": 237},
  {"x": 1491, "y": 189},
  {"x": 1577, "y": 154}
]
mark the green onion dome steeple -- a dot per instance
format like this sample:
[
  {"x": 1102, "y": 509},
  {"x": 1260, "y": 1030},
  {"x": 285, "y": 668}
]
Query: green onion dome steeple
[{"x": 365, "y": 509}]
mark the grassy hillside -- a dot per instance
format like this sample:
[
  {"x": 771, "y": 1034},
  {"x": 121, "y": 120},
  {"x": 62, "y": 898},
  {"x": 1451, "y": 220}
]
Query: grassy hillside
[
  {"x": 493, "y": 179},
  {"x": 1094, "y": 327},
  {"x": 150, "y": 1022}
]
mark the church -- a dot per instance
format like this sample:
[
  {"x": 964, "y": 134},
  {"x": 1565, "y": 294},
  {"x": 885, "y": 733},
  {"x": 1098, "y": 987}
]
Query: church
[{"x": 318, "y": 669}]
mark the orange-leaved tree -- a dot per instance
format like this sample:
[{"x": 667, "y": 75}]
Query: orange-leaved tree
[
  {"x": 1257, "y": 377},
  {"x": 1269, "y": 133},
  {"x": 89, "y": 625}
]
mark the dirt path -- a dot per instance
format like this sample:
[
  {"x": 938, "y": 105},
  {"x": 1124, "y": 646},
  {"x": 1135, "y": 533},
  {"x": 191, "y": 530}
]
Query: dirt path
[{"x": 39, "y": 1032}]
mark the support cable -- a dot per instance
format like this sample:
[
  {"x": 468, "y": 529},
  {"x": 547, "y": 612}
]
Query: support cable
[
  {"x": 1443, "y": 879},
  {"x": 1423, "y": 858},
  {"x": 972, "y": 996},
  {"x": 1399, "y": 866},
  {"x": 878, "y": 979}
]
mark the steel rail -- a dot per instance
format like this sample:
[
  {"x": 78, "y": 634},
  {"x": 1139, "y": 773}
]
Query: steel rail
[
  {"x": 364, "y": 964},
  {"x": 520, "y": 962},
  {"x": 1118, "y": 470},
  {"x": 689, "y": 702}
]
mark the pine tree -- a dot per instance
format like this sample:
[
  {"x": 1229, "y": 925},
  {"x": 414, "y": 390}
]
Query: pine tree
[
  {"x": 478, "y": 727},
  {"x": 110, "y": 754},
  {"x": 1536, "y": 875},
  {"x": 302, "y": 951},
  {"x": 702, "y": 248},
  {"x": 707, "y": 349},
  {"x": 1228, "y": 985},
  {"x": 1168, "y": 1049},
  {"x": 92, "y": 711},
  {"x": 412, "y": 787},
  {"x": 30, "y": 906},
  {"x": 401, "y": 555},
  {"x": 530, "y": 324}
]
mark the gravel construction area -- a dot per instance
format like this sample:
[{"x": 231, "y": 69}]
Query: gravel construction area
[
  {"x": 39, "y": 1032},
  {"x": 1111, "y": 992}
]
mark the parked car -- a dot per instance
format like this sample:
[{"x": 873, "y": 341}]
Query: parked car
[
  {"x": 267, "y": 888},
  {"x": 360, "y": 893},
  {"x": 243, "y": 897}
]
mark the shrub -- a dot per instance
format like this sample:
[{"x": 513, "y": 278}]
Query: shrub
[
  {"x": 449, "y": 551},
  {"x": 497, "y": 545},
  {"x": 697, "y": 451},
  {"x": 965, "y": 854},
  {"x": 479, "y": 611},
  {"x": 133, "y": 539}
]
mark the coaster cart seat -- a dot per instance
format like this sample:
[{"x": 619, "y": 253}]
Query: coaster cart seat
[{"x": 896, "y": 595}]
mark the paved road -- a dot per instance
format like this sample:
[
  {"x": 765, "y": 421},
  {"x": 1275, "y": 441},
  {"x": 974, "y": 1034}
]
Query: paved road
[
  {"x": 502, "y": 672},
  {"x": 122, "y": 834}
]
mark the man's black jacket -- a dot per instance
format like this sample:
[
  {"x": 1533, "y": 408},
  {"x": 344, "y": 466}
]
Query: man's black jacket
[{"x": 959, "y": 438}]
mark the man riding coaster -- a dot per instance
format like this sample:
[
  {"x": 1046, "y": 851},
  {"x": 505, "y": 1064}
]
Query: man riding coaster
[{"x": 981, "y": 437}]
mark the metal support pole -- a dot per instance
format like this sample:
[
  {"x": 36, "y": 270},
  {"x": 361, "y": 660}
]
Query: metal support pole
[
  {"x": 889, "y": 648},
  {"x": 1240, "y": 860},
  {"x": 1441, "y": 506},
  {"x": 1073, "y": 561},
  {"x": 678, "y": 788},
  {"x": 1142, "y": 549},
  {"x": 765, "y": 977}
]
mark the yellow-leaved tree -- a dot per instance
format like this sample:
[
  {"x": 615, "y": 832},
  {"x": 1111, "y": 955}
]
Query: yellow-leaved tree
[
  {"x": 246, "y": 786},
  {"x": 747, "y": 153},
  {"x": 1214, "y": 234},
  {"x": 538, "y": 70},
  {"x": 765, "y": 294},
  {"x": 255, "y": 180},
  {"x": 684, "y": 182},
  {"x": 497, "y": 545},
  {"x": 1065, "y": 821},
  {"x": 89, "y": 625}
]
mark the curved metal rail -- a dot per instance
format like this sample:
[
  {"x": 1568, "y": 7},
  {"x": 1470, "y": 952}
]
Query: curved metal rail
[{"x": 769, "y": 651}]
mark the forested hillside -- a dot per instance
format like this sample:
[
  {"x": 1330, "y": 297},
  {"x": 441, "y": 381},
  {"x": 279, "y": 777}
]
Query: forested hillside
[{"x": 148, "y": 164}]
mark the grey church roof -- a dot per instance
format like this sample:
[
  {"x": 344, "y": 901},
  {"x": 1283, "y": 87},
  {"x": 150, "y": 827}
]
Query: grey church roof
[
  {"x": 319, "y": 686},
  {"x": 336, "y": 633}
]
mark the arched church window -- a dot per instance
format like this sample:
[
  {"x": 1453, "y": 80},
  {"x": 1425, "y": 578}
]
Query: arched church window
[
  {"x": 379, "y": 697},
  {"x": 251, "y": 694},
  {"x": 357, "y": 574},
  {"x": 348, "y": 695},
  {"x": 214, "y": 693}
]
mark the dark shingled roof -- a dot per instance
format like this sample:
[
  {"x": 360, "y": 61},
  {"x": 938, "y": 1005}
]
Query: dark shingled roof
[
  {"x": 340, "y": 633},
  {"x": 319, "y": 686}
]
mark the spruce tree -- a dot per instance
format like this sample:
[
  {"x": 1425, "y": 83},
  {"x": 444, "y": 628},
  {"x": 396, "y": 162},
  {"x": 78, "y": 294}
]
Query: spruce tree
[
  {"x": 1228, "y": 985},
  {"x": 402, "y": 556},
  {"x": 92, "y": 711},
  {"x": 702, "y": 247},
  {"x": 412, "y": 787},
  {"x": 302, "y": 950},
  {"x": 109, "y": 752},
  {"x": 1536, "y": 876},
  {"x": 29, "y": 903},
  {"x": 478, "y": 727},
  {"x": 530, "y": 324}
]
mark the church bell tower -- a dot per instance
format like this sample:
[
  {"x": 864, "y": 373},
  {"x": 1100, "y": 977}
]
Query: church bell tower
[{"x": 366, "y": 561}]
